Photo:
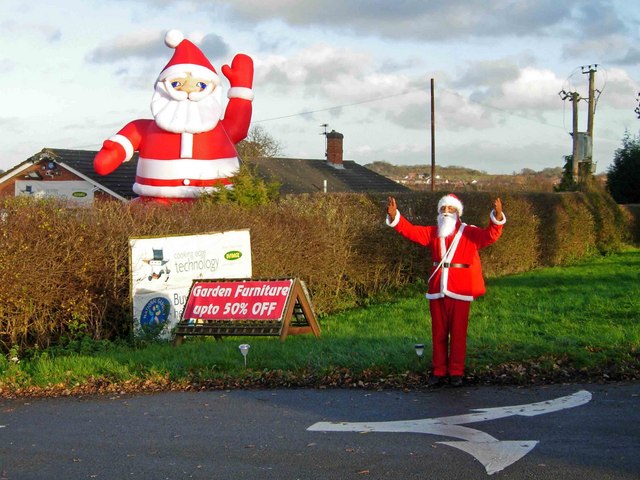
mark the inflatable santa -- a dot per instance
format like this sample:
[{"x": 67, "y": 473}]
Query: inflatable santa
[{"x": 188, "y": 149}]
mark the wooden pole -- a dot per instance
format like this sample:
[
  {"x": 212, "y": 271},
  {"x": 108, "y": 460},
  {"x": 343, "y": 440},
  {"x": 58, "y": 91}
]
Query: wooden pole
[
  {"x": 592, "y": 102},
  {"x": 592, "y": 110},
  {"x": 575, "y": 97},
  {"x": 433, "y": 138}
]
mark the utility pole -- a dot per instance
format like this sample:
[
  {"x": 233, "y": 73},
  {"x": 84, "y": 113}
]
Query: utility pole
[
  {"x": 433, "y": 137},
  {"x": 582, "y": 161},
  {"x": 591, "y": 70},
  {"x": 575, "y": 98},
  {"x": 575, "y": 155},
  {"x": 588, "y": 160}
]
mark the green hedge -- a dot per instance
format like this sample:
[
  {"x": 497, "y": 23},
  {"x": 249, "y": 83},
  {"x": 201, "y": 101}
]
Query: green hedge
[{"x": 65, "y": 271}]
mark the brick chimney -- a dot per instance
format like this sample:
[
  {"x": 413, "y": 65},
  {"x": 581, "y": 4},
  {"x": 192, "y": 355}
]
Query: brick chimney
[{"x": 334, "y": 149}]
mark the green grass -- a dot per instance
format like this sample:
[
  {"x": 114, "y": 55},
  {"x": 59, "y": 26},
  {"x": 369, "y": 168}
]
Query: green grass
[
  {"x": 588, "y": 312},
  {"x": 579, "y": 318}
]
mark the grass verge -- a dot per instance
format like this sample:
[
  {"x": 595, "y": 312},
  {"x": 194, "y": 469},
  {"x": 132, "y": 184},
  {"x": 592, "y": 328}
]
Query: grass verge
[{"x": 570, "y": 323}]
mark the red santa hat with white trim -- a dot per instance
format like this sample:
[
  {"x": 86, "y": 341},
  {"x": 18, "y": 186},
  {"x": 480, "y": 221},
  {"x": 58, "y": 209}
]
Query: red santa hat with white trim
[
  {"x": 187, "y": 58},
  {"x": 451, "y": 200}
]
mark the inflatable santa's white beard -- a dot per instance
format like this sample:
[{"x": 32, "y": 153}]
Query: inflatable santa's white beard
[{"x": 178, "y": 112}]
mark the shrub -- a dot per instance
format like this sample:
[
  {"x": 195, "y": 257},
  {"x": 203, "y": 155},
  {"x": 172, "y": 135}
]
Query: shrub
[
  {"x": 631, "y": 214},
  {"x": 64, "y": 273},
  {"x": 249, "y": 189},
  {"x": 623, "y": 176}
]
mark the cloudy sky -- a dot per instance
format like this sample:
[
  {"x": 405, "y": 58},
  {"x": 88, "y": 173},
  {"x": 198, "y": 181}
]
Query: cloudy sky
[{"x": 76, "y": 71}]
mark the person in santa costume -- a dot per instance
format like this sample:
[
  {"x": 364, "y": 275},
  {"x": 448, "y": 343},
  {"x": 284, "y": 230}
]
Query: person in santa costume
[
  {"x": 456, "y": 277},
  {"x": 188, "y": 149}
]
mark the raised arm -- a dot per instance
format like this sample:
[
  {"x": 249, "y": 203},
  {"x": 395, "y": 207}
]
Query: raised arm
[
  {"x": 497, "y": 208},
  {"x": 392, "y": 208}
]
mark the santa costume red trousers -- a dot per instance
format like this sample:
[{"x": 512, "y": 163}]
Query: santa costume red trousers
[{"x": 449, "y": 322}]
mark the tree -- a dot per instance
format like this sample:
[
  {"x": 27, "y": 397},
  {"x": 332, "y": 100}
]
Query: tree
[
  {"x": 249, "y": 187},
  {"x": 623, "y": 176},
  {"x": 567, "y": 182},
  {"x": 259, "y": 143}
]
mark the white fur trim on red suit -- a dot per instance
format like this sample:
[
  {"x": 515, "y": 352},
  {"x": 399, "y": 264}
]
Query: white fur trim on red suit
[
  {"x": 173, "y": 192},
  {"x": 240, "y": 92},
  {"x": 447, "y": 256},
  {"x": 186, "y": 145},
  {"x": 181, "y": 168},
  {"x": 452, "y": 201},
  {"x": 395, "y": 221},
  {"x": 126, "y": 144},
  {"x": 492, "y": 216},
  {"x": 447, "y": 293}
]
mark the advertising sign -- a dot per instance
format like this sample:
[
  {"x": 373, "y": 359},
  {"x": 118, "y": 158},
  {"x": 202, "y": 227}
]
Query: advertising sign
[
  {"x": 163, "y": 269},
  {"x": 249, "y": 300},
  {"x": 262, "y": 307},
  {"x": 79, "y": 191}
]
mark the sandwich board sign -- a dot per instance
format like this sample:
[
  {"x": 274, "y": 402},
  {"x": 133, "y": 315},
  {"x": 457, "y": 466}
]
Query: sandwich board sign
[
  {"x": 163, "y": 269},
  {"x": 277, "y": 307}
]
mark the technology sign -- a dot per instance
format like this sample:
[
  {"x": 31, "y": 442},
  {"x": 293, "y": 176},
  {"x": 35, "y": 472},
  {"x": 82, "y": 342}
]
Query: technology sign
[{"x": 163, "y": 270}]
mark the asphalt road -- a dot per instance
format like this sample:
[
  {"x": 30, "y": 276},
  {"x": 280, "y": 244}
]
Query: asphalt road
[{"x": 591, "y": 432}]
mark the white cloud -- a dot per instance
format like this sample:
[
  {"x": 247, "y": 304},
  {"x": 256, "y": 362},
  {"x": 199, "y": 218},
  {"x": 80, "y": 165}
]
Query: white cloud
[
  {"x": 142, "y": 44},
  {"x": 534, "y": 89},
  {"x": 413, "y": 19},
  {"x": 488, "y": 73},
  {"x": 318, "y": 66},
  {"x": 618, "y": 89}
]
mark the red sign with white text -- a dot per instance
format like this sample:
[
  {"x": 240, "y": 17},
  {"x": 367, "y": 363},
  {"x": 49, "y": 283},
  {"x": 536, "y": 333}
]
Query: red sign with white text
[{"x": 212, "y": 300}]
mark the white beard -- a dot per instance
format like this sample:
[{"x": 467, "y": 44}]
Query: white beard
[
  {"x": 447, "y": 224},
  {"x": 178, "y": 113}
]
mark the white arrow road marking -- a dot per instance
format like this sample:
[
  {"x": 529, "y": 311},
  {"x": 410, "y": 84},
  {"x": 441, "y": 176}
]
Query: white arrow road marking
[
  {"x": 494, "y": 454},
  {"x": 497, "y": 455}
]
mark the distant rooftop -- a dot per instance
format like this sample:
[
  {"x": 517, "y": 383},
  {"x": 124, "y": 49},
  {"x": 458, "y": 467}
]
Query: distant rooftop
[
  {"x": 294, "y": 175},
  {"x": 306, "y": 176}
]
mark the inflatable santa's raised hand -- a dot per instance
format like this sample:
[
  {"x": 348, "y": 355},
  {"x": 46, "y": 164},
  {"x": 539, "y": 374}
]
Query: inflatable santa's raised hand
[
  {"x": 189, "y": 147},
  {"x": 240, "y": 76},
  {"x": 109, "y": 157}
]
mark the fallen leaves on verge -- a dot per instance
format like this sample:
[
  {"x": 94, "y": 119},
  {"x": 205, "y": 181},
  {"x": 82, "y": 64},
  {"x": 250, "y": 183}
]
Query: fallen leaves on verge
[{"x": 543, "y": 371}]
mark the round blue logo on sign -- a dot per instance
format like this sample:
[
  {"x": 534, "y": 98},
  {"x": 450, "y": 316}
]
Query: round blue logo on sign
[{"x": 155, "y": 312}]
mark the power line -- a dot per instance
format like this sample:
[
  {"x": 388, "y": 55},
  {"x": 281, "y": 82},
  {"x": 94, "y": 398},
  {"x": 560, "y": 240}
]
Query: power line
[
  {"x": 377, "y": 99},
  {"x": 371, "y": 100},
  {"x": 501, "y": 110}
]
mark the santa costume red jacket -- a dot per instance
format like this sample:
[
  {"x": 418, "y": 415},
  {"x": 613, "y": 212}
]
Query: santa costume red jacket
[{"x": 458, "y": 273}]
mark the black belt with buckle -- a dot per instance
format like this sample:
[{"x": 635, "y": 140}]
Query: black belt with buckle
[{"x": 452, "y": 265}]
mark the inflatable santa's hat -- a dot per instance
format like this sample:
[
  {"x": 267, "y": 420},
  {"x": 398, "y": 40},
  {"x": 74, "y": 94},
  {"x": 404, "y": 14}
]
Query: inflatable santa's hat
[
  {"x": 186, "y": 58},
  {"x": 451, "y": 200}
]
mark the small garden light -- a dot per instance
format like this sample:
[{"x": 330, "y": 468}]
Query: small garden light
[
  {"x": 244, "y": 350},
  {"x": 419, "y": 350}
]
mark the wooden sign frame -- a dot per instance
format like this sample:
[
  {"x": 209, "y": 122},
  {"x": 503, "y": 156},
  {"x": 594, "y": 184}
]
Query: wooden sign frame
[{"x": 297, "y": 316}]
